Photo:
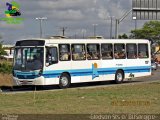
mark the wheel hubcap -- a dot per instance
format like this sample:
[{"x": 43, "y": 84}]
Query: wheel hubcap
[
  {"x": 119, "y": 77},
  {"x": 64, "y": 81}
]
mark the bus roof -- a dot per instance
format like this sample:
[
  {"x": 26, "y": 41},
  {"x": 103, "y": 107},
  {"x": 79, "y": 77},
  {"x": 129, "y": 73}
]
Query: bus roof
[{"x": 65, "y": 41}]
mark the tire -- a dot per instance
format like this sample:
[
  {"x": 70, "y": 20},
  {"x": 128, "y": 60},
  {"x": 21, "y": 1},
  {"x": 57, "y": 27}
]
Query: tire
[
  {"x": 119, "y": 77},
  {"x": 64, "y": 81}
]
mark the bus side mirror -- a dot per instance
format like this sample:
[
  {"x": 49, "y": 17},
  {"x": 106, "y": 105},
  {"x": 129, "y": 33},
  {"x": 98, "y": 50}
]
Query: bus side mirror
[
  {"x": 54, "y": 60},
  {"x": 47, "y": 64}
]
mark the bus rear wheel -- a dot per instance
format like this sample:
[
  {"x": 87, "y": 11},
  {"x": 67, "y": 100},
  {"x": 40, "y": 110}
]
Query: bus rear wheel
[
  {"x": 64, "y": 81},
  {"x": 119, "y": 77}
]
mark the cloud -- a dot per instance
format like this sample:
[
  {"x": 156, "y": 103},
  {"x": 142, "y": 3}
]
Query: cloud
[
  {"x": 68, "y": 15},
  {"x": 58, "y": 9},
  {"x": 74, "y": 14},
  {"x": 57, "y": 15},
  {"x": 103, "y": 13},
  {"x": 74, "y": 9},
  {"x": 65, "y": 4}
]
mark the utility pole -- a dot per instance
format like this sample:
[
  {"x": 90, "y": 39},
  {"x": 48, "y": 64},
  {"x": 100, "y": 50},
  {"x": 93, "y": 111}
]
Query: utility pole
[
  {"x": 40, "y": 21},
  {"x": 63, "y": 30}
]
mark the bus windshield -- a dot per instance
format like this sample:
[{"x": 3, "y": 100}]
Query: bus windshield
[{"x": 28, "y": 58}]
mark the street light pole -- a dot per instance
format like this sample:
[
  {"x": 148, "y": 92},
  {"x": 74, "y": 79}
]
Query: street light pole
[
  {"x": 111, "y": 29},
  {"x": 111, "y": 17},
  {"x": 116, "y": 28},
  {"x": 134, "y": 18},
  {"x": 40, "y": 28},
  {"x": 94, "y": 26},
  {"x": 83, "y": 33},
  {"x": 40, "y": 23},
  {"x": 118, "y": 21}
]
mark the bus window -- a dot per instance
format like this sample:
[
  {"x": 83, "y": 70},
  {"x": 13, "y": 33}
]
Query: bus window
[
  {"x": 107, "y": 51},
  {"x": 51, "y": 55},
  {"x": 143, "y": 51},
  {"x": 28, "y": 58},
  {"x": 93, "y": 51},
  {"x": 78, "y": 52},
  {"x": 64, "y": 52},
  {"x": 131, "y": 51},
  {"x": 119, "y": 51}
]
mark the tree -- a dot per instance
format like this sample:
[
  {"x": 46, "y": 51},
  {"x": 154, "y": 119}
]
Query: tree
[
  {"x": 124, "y": 36},
  {"x": 150, "y": 30},
  {"x": 2, "y": 51}
]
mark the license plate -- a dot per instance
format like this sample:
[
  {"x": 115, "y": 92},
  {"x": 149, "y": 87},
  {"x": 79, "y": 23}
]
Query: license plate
[{"x": 24, "y": 82}]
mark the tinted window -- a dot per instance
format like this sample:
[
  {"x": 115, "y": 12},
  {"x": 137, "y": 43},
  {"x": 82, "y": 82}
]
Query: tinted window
[
  {"x": 119, "y": 51},
  {"x": 64, "y": 52},
  {"x": 131, "y": 51},
  {"x": 143, "y": 51},
  {"x": 78, "y": 52},
  {"x": 30, "y": 43},
  {"x": 107, "y": 51},
  {"x": 28, "y": 58},
  {"x": 93, "y": 51}
]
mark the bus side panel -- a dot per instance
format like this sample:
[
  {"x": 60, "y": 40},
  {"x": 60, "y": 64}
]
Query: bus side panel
[
  {"x": 138, "y": 68},
  {"x": 110, "y": 67},
  {"x": 51, "y": 81},
  {"x": 53, "y": 72},
  {"x": 85, "y": 70}
]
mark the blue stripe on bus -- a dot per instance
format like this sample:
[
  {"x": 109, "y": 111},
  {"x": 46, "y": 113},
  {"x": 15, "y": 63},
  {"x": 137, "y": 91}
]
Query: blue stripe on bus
[
  {"x": 27, "y": 73},
  {"x": 82, "y": 72},
  {"x": 101, "y": 71}
]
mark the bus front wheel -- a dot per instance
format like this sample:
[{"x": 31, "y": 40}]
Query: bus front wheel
[
  {"x": 64, "y": 81},
  {"x": 119, "y": 77}
]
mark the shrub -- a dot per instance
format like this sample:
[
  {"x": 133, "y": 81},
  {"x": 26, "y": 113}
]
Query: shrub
[
  {"x": 2, "y": 51},
  {"x": 5, "y": 68}
]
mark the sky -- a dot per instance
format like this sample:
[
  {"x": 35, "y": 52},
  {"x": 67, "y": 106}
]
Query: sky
[{"x": 77, "y": 16}]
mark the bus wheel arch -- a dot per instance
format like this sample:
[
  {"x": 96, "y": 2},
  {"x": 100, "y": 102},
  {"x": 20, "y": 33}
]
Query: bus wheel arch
[
  {"x": 119, "y": 76},
  {"x": 64, "y": 80}
]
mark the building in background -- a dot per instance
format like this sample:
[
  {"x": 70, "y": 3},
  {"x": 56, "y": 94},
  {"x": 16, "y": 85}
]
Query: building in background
[{"x": 9, "y": 52}]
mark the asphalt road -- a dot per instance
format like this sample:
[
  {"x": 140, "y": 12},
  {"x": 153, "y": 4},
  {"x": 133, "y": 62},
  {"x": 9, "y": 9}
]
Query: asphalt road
[{"x": 154, "y": 77}]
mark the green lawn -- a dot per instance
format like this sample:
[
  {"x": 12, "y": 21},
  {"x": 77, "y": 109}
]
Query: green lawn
[{"x": 143, "y": 98}]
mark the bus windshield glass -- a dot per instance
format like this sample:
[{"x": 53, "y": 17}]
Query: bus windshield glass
[{"x": 28, "y": 58}]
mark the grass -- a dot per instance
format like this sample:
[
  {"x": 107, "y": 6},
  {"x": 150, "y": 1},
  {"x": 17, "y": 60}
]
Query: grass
[{"x": 86, "y": 101}]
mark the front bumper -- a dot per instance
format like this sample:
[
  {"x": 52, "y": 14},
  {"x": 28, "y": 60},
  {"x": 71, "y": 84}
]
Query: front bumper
[{"x": 36, "y": 81}]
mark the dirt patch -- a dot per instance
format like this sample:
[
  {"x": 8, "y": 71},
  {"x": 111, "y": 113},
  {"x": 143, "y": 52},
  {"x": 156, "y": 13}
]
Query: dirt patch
[{"x": 5, "y": 79}]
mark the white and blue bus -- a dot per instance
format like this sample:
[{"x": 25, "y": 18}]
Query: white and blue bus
[{"x": 65, "y": 61}]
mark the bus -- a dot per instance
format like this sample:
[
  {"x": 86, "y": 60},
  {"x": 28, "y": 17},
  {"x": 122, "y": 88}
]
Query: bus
[{"x": 40, "y": 62}]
